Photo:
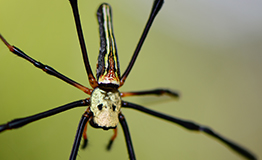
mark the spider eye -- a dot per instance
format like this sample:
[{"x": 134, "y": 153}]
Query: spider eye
[
  {"x": 114, "y": 107},
  {"x": 100, "y": 106}
]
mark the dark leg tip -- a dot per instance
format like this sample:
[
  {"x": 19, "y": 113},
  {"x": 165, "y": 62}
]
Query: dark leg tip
[
  {"x": 84, "y": 145},
  {"x": 109, "y": 145}
]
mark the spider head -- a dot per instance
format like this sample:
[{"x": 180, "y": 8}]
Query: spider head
[{"x": 105, "y": 106}]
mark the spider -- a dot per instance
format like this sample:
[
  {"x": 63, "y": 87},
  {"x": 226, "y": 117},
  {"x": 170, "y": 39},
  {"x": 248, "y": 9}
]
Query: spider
[{"x": 105, "y": 101}]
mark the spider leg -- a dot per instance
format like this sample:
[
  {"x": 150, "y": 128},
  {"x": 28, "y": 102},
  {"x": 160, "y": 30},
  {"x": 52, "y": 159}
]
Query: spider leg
[
  {"x": 112, "y": 139},
  {"x": 16, "y": 123},
  {"x": 85, "y": 137},
  {"x": 194, "y": 127},
  {"x": 155, "y": 9},
  {"x": 127, "y": 137},
  {"x": 45, "y": 68},
  {"x": 158, "y": 92},
  {"x": 84, "y": 119},
  {"x": 89, "y": 72}
]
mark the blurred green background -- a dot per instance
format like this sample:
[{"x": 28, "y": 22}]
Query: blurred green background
[{"x": 210, "y": 51}]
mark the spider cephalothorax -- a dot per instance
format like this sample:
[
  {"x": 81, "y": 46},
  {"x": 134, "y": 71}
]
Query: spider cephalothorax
[{"x": 105, "y": 106}]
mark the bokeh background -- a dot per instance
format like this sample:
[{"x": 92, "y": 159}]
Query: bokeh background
[{"x": 209, "y": 51}]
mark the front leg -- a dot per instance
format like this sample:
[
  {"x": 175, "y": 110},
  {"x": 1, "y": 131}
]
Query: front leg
[{"x": 49, "y": 70}]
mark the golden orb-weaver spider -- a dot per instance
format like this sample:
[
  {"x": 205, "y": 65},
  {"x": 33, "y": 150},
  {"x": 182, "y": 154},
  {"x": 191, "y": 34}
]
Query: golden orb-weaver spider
[{"x": 105, "y": 100}]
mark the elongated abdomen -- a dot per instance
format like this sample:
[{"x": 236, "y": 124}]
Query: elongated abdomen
[{"x": 108, "y": 71}]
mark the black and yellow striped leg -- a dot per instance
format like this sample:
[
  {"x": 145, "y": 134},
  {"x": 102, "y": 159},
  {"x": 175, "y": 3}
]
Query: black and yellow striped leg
[{"x": 193, "y": 127}]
